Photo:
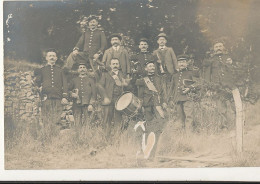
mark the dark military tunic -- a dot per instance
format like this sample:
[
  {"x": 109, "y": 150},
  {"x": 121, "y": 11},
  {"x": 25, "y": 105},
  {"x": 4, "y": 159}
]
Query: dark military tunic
[
  {"x": 53, "y": 80},
  {"x": 140, "y": 59},
  {"x": 87, "y": 89},
  {"x": 179, "y": 83},
  {"x": 218, "y": 71},
  {"x": 92, "y": 41}
]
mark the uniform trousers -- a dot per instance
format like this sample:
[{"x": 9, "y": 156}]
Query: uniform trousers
[
  {"x": 81, "y": 115},
  {"x": 112, "y": 119},
  {"x": 185, "y": 112}
]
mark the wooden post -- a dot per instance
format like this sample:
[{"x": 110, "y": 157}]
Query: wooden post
[{"x": 240, "y": 118}]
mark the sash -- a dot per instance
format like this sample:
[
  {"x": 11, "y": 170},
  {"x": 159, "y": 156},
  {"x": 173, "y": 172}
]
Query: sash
[{"x": 150, "y": 85}]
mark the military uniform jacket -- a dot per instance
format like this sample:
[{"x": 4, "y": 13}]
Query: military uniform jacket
[
  {"x": 122, "y": 55},
  {"x": 141, "y": 58},
  {"x": 168, "y": 58},
  {"x": 150, "y": 98},
  {"x": 86, "y": 89},
  {"x": 218, "y": 71},
  {"x": 108, "y": 83},
  {"x": 53, "y": 81},
  {"x": 179, "y": 85},
  {"x": 92, "y": 41}
]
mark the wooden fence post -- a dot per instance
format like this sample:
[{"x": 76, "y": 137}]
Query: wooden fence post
[{"x": 240, "y": 119}]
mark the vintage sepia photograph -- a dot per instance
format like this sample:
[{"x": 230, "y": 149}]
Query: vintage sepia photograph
[{"x": 116, "y": 84}]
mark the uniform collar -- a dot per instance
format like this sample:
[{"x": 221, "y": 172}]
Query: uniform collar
[
  {"x": 162, "y": 47},
  {"x": 116, "y": 48}
]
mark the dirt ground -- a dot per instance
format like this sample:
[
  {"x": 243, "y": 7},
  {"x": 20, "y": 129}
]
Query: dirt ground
[{"x": 177, "y": 150}]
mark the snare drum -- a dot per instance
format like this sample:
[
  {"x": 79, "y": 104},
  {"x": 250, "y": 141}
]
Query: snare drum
[{"x": 128, "y": 103}]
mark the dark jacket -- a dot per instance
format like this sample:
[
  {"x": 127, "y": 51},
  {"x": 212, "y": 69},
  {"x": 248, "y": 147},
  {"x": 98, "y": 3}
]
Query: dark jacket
[
  {"x": 150, "y": 98},
  {"x": 53, "y": 82},
  {"x": 92, "y": 41},
  {"x": 178, "y": 79},
  {"x": 86, "y": 89},
  {"x": 217, "y": 70},
  {"x": 140, "y": 59},
  {"x": 108, "y": 84}
]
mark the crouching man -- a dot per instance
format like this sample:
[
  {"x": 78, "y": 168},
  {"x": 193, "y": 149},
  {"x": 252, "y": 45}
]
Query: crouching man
[
  {"x": 84, "y": 95},
  {"x": 150, "y": 92}
]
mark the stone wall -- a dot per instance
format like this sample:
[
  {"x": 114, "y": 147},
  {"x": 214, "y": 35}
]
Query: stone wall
[{"x": 22, "y": 100}]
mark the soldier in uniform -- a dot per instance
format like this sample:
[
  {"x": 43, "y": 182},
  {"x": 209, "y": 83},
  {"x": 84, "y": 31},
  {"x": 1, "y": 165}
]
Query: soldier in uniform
[
  {"x": 54, "y": 89},
  {"x": 84, "y": 95},
  {"x": 111, "y": 85},
  {"x": 89, "y": 48},
  {"x": 166, "y": 63},
  {"x": 117, "y": 51},
  {"x": 150, "y": 92},
  {"x": 139, "y": 61},
  {"x": 218, "y": 71},
  {"x": 184, "y": 83}
]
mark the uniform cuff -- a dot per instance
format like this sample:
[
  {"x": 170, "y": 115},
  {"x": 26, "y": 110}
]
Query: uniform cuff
[
  {"x": 75, "y": 48},
  {"x": 64, "y": 95}
]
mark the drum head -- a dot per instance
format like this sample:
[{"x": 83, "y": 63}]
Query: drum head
[{"x": 124, "y": 101}]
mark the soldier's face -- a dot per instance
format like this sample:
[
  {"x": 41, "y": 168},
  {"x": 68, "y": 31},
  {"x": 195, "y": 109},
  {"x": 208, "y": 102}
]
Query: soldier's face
[
  {"x": 182, "y": 64},
  {"x": 143, "y": 46},
  {"x": 218, "y": 48},
  {"x": 161, "y": 41},
  {"x": 93, "y": 23},
  {"x": 115, "y": 41},
  {"x": 51, "y": 58},
  {"x": 150, "y": 68},
  {"x": 114, "y": 64},
  {"x": 82, "y": 69}
]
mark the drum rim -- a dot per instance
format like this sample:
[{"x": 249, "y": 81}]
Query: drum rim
[{"x": 121, "y": 96}]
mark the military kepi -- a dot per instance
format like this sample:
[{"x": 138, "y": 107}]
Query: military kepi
[
  {"x": 148, "y": 62},
  {"x": 182, "y": 57}
]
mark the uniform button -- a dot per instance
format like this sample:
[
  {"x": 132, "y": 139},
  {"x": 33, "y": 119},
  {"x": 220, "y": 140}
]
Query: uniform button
[
  {"x": 178, "y": 87},
  {"x": 82, "y": 96},
  {"x": 52, "y": 82},
  {"x": 52, "y": 86}
]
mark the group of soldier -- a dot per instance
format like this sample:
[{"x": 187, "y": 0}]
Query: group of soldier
[{"x": 156, "y": 78}]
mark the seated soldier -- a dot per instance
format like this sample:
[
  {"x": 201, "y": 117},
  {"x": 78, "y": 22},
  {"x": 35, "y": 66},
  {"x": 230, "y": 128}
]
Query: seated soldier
[
  {"x": 150, "y": 92},
  {"x": 184, "y": 84},
  {"x": 84, "y": 95}
]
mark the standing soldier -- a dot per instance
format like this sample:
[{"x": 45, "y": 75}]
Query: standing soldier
[
  {"x": 218, "y": 68},
  {"x": 111, "y": 86},
  {"x": 118, "y": 52},
  {"x": 54, "y": 90},
  {"x": 90, "y": 47},
  {"x": 166, "y": 63},
  {"x": 184, "y": 83},
  {"x": 150, "y": 92},
  {"x": 83, "y": 94},
  {"x": 218, "y": 71},
  {"x": 139, "y": 61}
]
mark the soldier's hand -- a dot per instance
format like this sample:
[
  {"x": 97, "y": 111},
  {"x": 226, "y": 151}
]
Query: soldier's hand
[
  {"x": 96, "y": 56},
  {"x": 74, "y": 95},
  {"x": 75, "y": 52},
  {"x": 90, "y": 108},
  {"x": 229, "y": 61},
  {"x": 159, "y": 61},
  {"x": 186, "y": 90},
  {"x": 64, "y": 101},
  {"x": 164, "y": 105}
]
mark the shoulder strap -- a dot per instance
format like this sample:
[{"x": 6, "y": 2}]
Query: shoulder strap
[{"x": 150, "y": 85}]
